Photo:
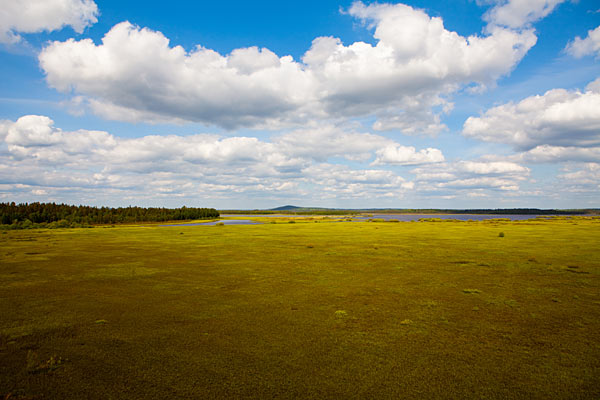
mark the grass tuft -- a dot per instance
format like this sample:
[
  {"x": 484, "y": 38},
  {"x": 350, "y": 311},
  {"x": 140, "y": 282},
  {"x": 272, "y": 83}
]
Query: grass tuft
[{"x": 34, "y": 366}]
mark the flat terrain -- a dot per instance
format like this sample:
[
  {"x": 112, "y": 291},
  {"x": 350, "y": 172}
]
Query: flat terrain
[{"x": 303, "y": 310}]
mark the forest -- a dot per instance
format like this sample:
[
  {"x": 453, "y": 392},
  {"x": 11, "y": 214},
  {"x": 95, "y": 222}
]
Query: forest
[{"x": 51, "y": 215}]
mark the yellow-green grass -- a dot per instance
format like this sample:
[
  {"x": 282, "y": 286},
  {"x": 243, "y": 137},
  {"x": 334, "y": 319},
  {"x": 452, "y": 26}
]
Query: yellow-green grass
[{"x": 303, "y": 310}]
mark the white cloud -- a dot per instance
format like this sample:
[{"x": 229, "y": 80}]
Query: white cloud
[
  {"x": 250, "y": 60},
  {"x": 582, "y": 178},
  {"x": 557, "y": 118},
  {"x": 468, "y": 177},
  {"x": 323, "y": 142},
  {"x": 480, "y": 183},
  {"x": 491, "y": 167},
  {"x": 4, "y": 125},
  {"x": 407, "y": 155},
  {"x": 593, "y": 86},
  {"x": 32, "y": 130},
  {"x": 551, "y": 154},
  {"x": 34, "y": 136},
  {"x": 135, "y": 75},
  {"x": 404, "y": 80},
  {"x": 583, "y": 47},
  {"x": 519, "y": 13},
  {"x": 30, "y": 16},
  {"x": 342, "y": 182}
]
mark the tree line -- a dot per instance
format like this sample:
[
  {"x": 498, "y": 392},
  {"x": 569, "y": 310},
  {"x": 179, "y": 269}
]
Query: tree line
[
  {"x": 496, "y": 211},
  {"x": 340, "y": 211},
  {"x": 51, "y": 215}
]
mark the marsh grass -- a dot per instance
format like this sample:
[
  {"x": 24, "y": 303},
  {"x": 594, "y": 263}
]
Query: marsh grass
[
  {"x": 430, "y": 303},
  {"x": 33, "y": 365},
  {"x": 371, "y": 310}
]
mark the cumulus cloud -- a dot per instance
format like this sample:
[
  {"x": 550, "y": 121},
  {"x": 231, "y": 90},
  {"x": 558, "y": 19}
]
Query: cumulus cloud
[
  {"x": 407, "y": 155},
  {"x": 404, "y": 80},
  {"x": 468, "y": 177},
  {"x": 581, "y": 180},
  {"x": 342, "y": 182},
  {"x": 323, "y": 142},
  {"x": 519, "y": 13},
  {"x": 586, "y": 176},
  {"x": 30, "y": 16},
  {"x": 557, "y": 118},
  {"x": 135, "y": 75},
  {"x": 41, "y": 157},
  {"x": 549, "y": 154},
  {"x": 32, "y": 130},
  {"x": 584, "y": 47},
  {"x": 491, "y": 168}
]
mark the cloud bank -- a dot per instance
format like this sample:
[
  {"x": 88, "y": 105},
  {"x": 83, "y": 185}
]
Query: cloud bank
[
  {"x": 42, "y": 158},
  {"x": 86, "y": 165}
]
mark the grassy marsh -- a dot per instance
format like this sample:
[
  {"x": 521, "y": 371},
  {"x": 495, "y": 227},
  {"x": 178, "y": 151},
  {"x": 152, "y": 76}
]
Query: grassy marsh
[{"x": 309, "y": 310}]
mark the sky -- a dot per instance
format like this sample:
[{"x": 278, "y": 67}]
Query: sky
[{"x": 343, "y": 104}]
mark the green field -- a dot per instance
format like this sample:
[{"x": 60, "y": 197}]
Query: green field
[{"x": 304, "y": 310}]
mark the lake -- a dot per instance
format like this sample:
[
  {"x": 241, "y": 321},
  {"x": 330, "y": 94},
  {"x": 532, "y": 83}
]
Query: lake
[
  {"x": 460, "y": 217},
  {"x": 399, "y": 217}
]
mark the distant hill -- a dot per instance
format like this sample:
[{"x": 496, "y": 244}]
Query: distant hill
[{"x": 286, "y": 208}]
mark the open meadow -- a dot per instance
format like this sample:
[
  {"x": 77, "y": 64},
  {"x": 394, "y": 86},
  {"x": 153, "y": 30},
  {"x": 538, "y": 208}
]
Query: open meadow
[{"x": 310, "y": 309}]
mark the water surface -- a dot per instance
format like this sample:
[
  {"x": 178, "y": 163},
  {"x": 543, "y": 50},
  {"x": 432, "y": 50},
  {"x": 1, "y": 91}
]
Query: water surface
[{"x": 460, "y": 217}]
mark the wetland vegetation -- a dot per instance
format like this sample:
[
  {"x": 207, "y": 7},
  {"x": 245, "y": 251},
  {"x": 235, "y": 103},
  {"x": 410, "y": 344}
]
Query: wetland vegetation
[{"x": 492, "y": 309}]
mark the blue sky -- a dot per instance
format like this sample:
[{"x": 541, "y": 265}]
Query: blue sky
[{"x": 463, "y": 104}]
